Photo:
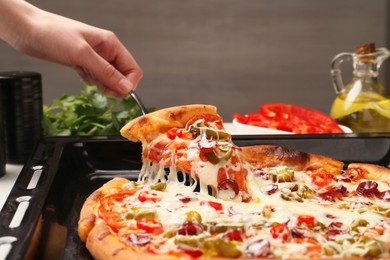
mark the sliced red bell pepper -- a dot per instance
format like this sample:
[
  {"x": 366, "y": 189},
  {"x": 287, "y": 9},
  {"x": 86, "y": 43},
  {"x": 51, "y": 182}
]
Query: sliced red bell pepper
[{"x": 291, "y": 118}]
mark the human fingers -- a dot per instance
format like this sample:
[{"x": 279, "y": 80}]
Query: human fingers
[
  {"x": 105, "y": 75},
  {"x": 127, "y": 65},
  {"x": 85, "y": 75},
  {"x": 91, "y": 80}
]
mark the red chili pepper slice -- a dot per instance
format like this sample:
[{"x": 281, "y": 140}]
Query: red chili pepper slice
[
  {"x": 213, "y": 204},
  {"x": 280, "y": 231},
  {"x": 320, "y": 179},
  {"x": 306, "y": 219},
  {"x": 148, "y": 196},
  {"x": 180, "y": 133},
  {"x": 150, "y": 226},
  {"x": 235, "y": 235}
]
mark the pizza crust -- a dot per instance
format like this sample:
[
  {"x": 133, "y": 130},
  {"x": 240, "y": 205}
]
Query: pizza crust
[
  {"x": 103, "y": 244},
  {"x": 273, "y": 155},
  {"x": 147, "y": 127},
  {"x": 100, "y": 241},
  {"x": 373, "y": 171},
  {"x": 88, "y": 216}
]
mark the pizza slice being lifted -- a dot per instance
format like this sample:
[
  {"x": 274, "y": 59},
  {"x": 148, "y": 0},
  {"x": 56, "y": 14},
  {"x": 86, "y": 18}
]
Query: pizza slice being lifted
[
  {"x": 191, "y": 140},
  {"x": 201, "y": 196}
]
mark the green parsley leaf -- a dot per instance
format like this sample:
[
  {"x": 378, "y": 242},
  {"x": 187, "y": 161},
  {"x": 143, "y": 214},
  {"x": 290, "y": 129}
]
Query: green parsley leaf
[{"x": 88, "y": 113}]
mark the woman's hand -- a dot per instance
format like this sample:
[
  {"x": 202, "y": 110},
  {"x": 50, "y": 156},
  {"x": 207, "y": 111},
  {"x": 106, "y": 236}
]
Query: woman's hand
[{"x": 96, "y": 54}]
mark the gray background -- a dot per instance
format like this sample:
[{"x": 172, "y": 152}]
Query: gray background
[{"x": 235, "y": 54}]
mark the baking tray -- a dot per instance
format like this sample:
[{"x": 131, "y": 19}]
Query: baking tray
[{"x": 39, "y": 218}]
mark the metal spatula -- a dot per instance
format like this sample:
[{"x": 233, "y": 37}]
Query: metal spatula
[{"x": 139, "y": 103}]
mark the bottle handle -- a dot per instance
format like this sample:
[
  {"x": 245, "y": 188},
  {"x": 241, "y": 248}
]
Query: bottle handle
[
  {"x": 383, "y": 54},
  {"x": 335, "y": 71}
]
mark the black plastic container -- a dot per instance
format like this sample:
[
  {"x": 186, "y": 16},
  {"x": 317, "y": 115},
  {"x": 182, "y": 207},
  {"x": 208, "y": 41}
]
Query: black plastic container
[{"x": 22, "y": 98}]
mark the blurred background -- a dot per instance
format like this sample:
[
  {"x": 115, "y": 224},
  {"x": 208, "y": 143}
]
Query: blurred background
[{"x": 230, "y": 53}]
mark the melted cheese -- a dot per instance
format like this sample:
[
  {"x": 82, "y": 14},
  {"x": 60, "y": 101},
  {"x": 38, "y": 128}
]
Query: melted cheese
[
  {"x": 264, "y": 210},
  {"x": 172, "y": 211}
]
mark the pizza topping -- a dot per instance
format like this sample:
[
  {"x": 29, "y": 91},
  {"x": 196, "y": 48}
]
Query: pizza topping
[
  {"x": 211, "y": 120},
  {"x": 281, "y": 174},
  {"x": 333, "y": 234},
  {"x": 214, "y": 151},
  {"x": 320, "y": 179},
  {"x": 193, "y": 216},
  {"x": 180, "y": 133},
  {"x": 190, "y": 229},
  {"x": 270, "y": 188},
  {"x": 160, "y": 186},
  {"x": 335, "y": 225},
  {"x": 297, "y": 192},
  {"x": 111, "y": 213},
  {"x": 207, "y": 145},
  {"x": 180, "y": 223},
  {"x": 150, "y": 226},
  {"x": 307, "y": 220},
  {"x": 191, "y": 251},
  {"x": 280, "y": 231},
  {"x": 139, "y": 214},
  {"x": 312, "y": 247},
  {"x": 185, "y": 199},
  {"x": 258, "y": 248},
  {"x": 236, "y": 235},
  {"x": 146, "y": 195},
  {"x": 355, "y": 246},
  {"x": 213, "y": 204},
  {"x": 139, "y": 239},
  {"x": 351, "y": 175},
  {"x": 384, "y": 195},
  {"x": 221, "y": 247},
  {"x": 367, "y": 188},
  {"x": 229, "y": 188},
  {"x": 335, "y": 193}
]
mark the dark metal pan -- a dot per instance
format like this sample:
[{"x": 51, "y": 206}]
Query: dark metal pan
[{"x": 39, "y": 218}]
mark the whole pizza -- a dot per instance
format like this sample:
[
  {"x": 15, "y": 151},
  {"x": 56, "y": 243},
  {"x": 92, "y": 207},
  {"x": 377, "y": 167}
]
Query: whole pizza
[{"x": 199, "y": 196}]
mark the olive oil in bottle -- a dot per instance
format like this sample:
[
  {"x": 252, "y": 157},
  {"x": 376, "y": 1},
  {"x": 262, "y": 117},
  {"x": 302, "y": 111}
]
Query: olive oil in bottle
[
  {"x": 369, "y": 112},
  {"x": 362, "y": 104}
]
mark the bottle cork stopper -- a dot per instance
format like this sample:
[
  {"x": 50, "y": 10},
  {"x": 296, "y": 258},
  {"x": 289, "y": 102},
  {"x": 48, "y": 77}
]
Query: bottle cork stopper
[{"x": 365, "y": 50}]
